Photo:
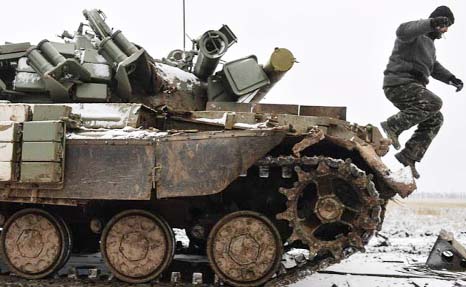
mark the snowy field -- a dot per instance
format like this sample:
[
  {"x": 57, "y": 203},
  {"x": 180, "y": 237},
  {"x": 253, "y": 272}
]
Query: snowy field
[{"x": 412, "y": 227}]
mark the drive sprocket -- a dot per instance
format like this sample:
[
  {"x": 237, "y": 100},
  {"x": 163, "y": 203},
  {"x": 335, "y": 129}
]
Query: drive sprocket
[{"x": 333, "y": 209}]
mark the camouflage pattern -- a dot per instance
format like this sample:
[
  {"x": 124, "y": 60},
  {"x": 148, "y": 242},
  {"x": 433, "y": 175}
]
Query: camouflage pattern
[{"x": 418, "y": 106}]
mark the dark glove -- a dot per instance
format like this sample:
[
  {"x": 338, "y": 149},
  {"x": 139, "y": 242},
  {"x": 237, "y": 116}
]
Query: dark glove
[
  {"x": 439, "y": 22},
  {"x": 456, "y": 83}
]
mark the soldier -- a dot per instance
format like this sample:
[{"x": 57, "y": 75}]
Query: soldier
[{"x": 411, "y": 64}]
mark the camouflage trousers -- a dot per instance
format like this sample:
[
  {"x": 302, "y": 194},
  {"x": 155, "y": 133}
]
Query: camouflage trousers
[{"x": 418, "y": 106}]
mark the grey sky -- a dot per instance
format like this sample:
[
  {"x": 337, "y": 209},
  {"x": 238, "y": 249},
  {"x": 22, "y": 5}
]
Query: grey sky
[{"x": 342, "y": 46}]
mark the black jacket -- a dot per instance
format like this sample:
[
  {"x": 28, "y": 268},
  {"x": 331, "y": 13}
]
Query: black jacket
[{"x": 413, "y": 58}]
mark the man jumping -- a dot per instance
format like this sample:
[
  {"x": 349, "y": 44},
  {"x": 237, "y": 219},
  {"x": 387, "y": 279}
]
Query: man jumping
[{"x": 411, "y": 64}]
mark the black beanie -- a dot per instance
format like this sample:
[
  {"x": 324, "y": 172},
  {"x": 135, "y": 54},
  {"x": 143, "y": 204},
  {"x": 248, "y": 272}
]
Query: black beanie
[{"x": 443, "y": 11}]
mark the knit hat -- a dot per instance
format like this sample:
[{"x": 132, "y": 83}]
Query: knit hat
[{"x": 443, "y": 11}]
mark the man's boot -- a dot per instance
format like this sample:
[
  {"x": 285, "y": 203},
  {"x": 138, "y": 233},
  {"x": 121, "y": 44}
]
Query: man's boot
[
  {"x": 408, "y": 162},
  {"x": 391, "y": 134}
]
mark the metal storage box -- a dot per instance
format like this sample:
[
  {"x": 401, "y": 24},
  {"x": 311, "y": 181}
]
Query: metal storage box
[
  {"x": 92, "y": 92},
  {"x": 29, "y": 82},
  {"x": 7, "y": 152},
  {"x": 6, "y": 171},
  {"x": 42, "y": 151},
  {"x": 245, "y": 75},
  {"x": 15, "y": 113},
  {"x": 99, "y": 72},
  {"x": 44, "y": 131},
  {"x": 50, "y": 112},
  {"x": 41, "y": 172},
  {"x": 9, "y": 131}
]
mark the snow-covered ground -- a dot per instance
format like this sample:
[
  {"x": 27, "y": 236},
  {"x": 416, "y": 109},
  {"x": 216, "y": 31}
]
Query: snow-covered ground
[{"x": 412, "y": 227}]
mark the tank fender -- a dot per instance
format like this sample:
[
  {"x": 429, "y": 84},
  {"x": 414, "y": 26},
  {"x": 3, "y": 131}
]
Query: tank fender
[
  {"x": 401, "y": 186},
  {"x": 206, "y": 163}
]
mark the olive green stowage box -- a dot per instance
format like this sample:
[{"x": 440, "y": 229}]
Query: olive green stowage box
[
  {"x": 42, "y": 155},
  {"x": 41, "y": 172},
  {"x": 50, "y": 112},
  {"x": 43, "y": 131},
  {"x": 42, "y": 151}
]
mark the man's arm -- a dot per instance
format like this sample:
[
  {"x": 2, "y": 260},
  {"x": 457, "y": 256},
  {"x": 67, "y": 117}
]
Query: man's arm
[
  {"x": 441, "y": 73},
  {"x": 411, "y": 30}
]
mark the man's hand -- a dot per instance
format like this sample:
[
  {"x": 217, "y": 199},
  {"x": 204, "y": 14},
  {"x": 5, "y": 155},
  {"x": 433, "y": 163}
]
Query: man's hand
[
  {"x": 456, "y": 83},
  {"x": 439, "y": 23}
]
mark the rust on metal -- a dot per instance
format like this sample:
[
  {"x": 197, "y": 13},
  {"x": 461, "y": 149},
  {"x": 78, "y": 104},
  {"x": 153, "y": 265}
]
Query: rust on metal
[
  {"x": 317, "y": 111},
  {"x": 329, "y": 208},
  {"x": 322, "y": 111},
  {"x": 344, "y": 199},
  {"x": 314, "y": 136},
  {"x": 34, "y": 243},
  {"x": 43, "y": 197},
  {"x": 206, "y": 157},
  {"x": 244, "y": 249},
  {"x": 404, "y": 189},
  {"x": 89, "y": 176},
  {"x": 137, "y": 246}
]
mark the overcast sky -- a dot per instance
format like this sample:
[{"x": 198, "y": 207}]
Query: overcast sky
[{"x": 342, "y": 47}]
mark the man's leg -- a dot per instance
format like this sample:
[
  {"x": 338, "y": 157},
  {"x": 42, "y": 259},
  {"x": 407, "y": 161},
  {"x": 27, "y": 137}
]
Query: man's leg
[
  {"x": 426, "y": 131},
  {"x": 416, "y": 104}
]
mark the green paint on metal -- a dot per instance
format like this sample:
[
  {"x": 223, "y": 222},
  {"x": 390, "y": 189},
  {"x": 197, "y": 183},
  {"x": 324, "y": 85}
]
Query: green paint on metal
[
  {"x": 50, "y": 112},
  {"x": 41, "y": 172},
  {"x": 91, "y": 92},
  {"x": 43, "y": 131},
  {"x": 42, "y": 151}
]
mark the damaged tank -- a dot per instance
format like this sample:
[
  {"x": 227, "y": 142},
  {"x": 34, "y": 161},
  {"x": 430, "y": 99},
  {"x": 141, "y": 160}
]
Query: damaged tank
[{"x": 104, "y": 148}]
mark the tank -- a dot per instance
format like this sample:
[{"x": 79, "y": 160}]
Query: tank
[{"x": 105, "y": 148}]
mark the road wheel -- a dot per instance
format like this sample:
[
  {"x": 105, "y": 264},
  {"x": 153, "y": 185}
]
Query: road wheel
[
  {"x": 68, "y": 242},
  {"x": 137, "y": 246},
  {"x": 34, "y": 243},
  {"x": 244, "y": 249}
]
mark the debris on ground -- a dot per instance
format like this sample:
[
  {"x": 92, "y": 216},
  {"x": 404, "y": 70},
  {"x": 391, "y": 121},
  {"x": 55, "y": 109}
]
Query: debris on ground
[{"x": 447, "y": 254}]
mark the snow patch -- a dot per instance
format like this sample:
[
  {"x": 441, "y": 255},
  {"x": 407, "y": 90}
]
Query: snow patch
[
  {"x": 106, "y": 116},
  {"x": 403, "y": 175},
  {"x": 222, "y": 121},
  {"x": 177, "y": 76},
  {"x": 23, "y": 65},
  {"x": 251, "y": 126},
  {"x": 101, "y": 59},
  {"x": 101, "y": 70},
  {"x": 25, "y": 77},
  {"x": 180, "y": 236},
  {"x": 126, "y": 133}
]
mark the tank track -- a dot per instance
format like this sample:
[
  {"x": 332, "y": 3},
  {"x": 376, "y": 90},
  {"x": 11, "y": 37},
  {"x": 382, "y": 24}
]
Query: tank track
[
  {"x": 321, "y": 253},
  {"x": 369, "y": 221}
]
